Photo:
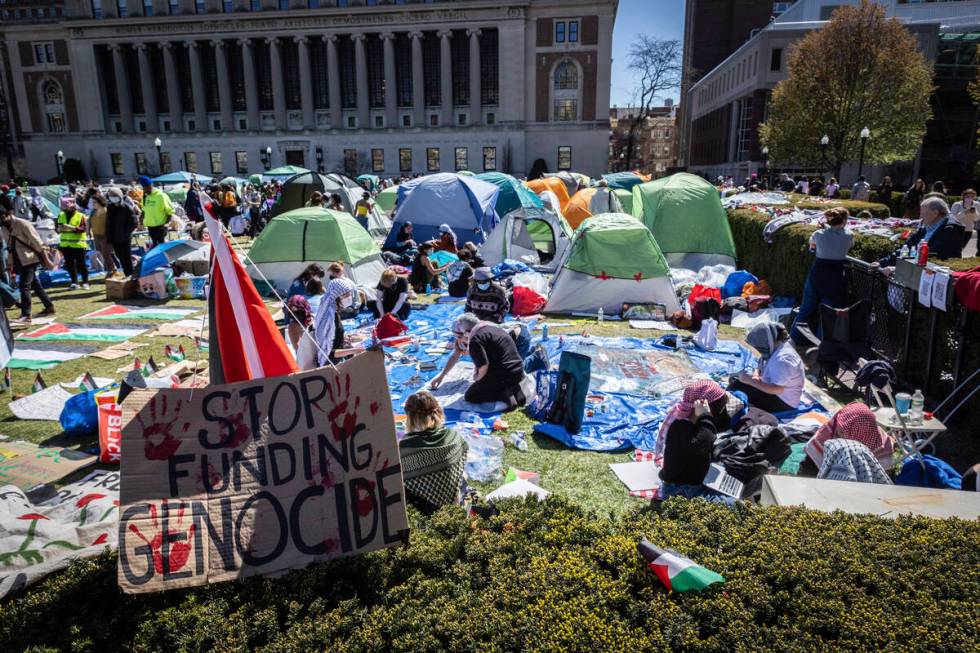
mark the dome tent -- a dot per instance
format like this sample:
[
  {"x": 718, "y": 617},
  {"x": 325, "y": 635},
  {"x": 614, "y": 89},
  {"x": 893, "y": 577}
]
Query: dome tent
[
  {"x": 524, "y": 235},
  {"x": 314, "y": 235},
  {"x": 591, "y": 201},
  {"x": 625, "y": 180},
  {"x": 385, "y": 199},
  {"x": 685, "y": 216},
  {"x": 296, "y": 192},
  {"x": 612, "y": 260},
  {"x": 464, "y": 203},
  {"x": 555, "y": 185},
  {"x": 513, "y": 194}
]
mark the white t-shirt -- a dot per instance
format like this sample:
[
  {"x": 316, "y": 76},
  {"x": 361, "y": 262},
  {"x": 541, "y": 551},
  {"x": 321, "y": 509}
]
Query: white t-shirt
[{"x": 785, "y": 368}]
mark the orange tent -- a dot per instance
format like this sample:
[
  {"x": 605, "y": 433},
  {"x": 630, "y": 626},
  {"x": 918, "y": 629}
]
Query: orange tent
[
  {"x": 578, "y": 207},
  {"x": 555, "y": 185}
]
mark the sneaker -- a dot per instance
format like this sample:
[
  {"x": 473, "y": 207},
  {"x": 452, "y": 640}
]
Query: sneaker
[
  {"x": 23, "y": 320},
  {"x": 73, "y": 286},
  {"x": 46, "y": 312},
  {"x": 84, "y": 286}
]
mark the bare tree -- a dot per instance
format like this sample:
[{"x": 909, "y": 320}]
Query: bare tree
[{"x": 657, "y": 64}]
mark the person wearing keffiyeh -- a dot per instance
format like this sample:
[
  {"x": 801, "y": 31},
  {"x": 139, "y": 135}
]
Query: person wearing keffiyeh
[
  {"x": 328, "y": 330},
  {"x": 854, "y": 421}
]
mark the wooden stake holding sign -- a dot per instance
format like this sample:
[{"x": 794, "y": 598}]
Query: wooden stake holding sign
[{"x": 258, "y": 477}]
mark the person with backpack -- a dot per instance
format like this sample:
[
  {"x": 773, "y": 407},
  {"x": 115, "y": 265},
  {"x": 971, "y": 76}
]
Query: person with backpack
[
  {"x": 227, "y": 204},
  {"x": 27, "y": 251}
]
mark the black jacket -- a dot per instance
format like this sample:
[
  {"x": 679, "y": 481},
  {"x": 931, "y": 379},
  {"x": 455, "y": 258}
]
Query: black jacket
[
  {"x": 120, "y": 223},
  {"x": 946, "y": 243},
  {"x": 687, "y": 451}
]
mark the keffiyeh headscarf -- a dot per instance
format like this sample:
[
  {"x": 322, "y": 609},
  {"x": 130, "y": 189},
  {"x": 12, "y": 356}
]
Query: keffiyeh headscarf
[
  {"x": 856, "y": 422},
  {"x": 764, "y": 337},
  {"x": 323, "y": 324},
  {"x": 699, "y": 390}
]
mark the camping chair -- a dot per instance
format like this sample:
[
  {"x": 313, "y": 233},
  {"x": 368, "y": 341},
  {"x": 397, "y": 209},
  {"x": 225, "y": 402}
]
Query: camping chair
[{"x": 844, "y": 342}]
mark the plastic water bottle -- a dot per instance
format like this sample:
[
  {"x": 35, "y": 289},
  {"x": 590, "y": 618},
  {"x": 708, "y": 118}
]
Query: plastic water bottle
[
  {"x": 544, "y": 331},
  {"x": 917, "y": 407},
  {"x": 428, "y": 289},
  {"x": 517, "y": 438},
  {"x": 601, "y": 315}
]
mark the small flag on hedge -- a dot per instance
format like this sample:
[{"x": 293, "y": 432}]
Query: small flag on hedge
[
  {"x": 677, "y": 573},
  {"x": 39, "y": 383}
]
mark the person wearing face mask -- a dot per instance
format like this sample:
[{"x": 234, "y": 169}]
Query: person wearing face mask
[
  {"x": 391, "y": 296},
  {"x": 327, "y": 327},
  {"x": 97, "y": 230},
  {"x": 73, "y": 243},
  {"x": 121, "y": 222},
  {"x": 486, "y": 299},
  {"x": 965, "y": 213}
]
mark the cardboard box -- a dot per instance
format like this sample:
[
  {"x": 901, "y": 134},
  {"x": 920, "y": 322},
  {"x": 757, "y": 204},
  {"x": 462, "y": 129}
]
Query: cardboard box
[{"x": 121, "y": 288}]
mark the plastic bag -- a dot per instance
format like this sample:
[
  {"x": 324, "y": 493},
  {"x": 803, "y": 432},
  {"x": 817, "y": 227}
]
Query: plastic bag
[
  {"x": 527, "y": 301},
  {"x": 714, "y": 276},
  {"x": 485, "y": 456},
  {"x": 707, "y": 337},
  {"x": 532, "y": 280},
  {"x": 80, "y": 416}
]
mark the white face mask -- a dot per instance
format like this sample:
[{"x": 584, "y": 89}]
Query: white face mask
[
  {"x": 483, "y": 285},
  {"x": 346, "y": 301},
  {"x": 115, "y": 200}
]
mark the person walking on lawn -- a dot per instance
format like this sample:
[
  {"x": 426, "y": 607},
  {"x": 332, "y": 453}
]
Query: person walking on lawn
[
  {"x": 157, "y": 210},
  {"x": 26, "y": 253},
  {"x": 73, "y": 243}
]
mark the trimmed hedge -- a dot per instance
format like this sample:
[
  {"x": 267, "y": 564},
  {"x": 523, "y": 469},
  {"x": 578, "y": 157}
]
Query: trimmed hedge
[{"x": 551, "y": 578}]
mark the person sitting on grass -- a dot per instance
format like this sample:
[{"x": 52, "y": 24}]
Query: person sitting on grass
[
  {"x": 855, "y": 421},
  {"x": 460, "y": 274},
  {"x": 777, "y": 384},
  {"x": 424, "y": 271},
  {"x": 391, "y": 296},
  {"x": 433, "y": 456},
  {"x": 689, "y": 437},
  {"x": 486, "y": 299}
]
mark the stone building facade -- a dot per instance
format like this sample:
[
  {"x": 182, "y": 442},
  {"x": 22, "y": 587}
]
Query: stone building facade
[{"x": 235, "y": 86}]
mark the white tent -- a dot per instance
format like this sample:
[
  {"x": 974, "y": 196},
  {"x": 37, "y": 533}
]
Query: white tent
[{"x": 525, "y": 234}]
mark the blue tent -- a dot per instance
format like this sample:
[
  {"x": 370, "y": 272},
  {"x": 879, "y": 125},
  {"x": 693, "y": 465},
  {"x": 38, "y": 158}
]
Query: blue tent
[
  {"x": 624, "y": 180},
  {"x": 513, "y": 194},
  {"x": 181, "y": 177},
  {"x": 466, "y": 204},
  {"x": 167, "y": 252}
]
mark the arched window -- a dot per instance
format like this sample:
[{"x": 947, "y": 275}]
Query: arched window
[
  {"x": 566, "y": 76},
  {"x": 54, "y": 106}
]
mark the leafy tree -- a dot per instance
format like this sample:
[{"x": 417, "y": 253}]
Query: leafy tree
[
  {"x": 974, "y": 89},
  {"x": 658, "y": 65},
  {"x": 861, "y": 70}
]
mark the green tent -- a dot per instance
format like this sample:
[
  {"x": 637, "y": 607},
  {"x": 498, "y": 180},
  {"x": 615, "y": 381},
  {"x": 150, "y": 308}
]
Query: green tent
[
  {"x": 684, "y": 213},
  {"x": 284, "y": 171},
  {"x": 466, "y": 173},
  {"x": 295, "y": 239},
  {"x": 176, "y": 193},
  {"x": 625, "y": 198},
  {"x": 386, "y": 198},
  {"x": 513, "y": 194}
]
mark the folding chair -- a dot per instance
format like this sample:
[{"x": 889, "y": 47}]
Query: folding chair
[{"x": 844, "y": 341}]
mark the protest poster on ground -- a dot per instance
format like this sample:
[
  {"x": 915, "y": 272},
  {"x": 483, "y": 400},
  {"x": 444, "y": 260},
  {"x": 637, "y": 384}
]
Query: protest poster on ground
[
  {"x": 37, "y": 539},
  {"x": 26, "y": 464},
  {"x": 653, "y": 373},
  {"x": 258, "y": 477}
]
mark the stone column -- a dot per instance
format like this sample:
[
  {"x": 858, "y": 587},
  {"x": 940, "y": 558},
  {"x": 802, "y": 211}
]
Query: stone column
[
  {"x": 149, "y": 90},
  {"x": 306, "y": 81},
  {"x": 333, "y": 82},
  {"x": 122, "y": 88},
  {"x": 225, "y": 102},
  {"x": 360, "y": 66},
  {"x": 446, "y": 72},
  {"x": 251, "y": 85},
  {"x": 197, "y": 83},
  {"x": 278, "y": 84},
  {"x": 173, "y": 88},
  {"x": 391, "y": 85},
  {"x": 476, "y": 115},
  {"x": 418, "y": 80}
]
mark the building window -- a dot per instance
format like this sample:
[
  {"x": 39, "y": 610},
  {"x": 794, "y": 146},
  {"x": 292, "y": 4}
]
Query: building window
[
  {"x": 255, "y": 5},
  {"x": 140, "y": 163},
  {"x": 461, "y": 119},
  {"x": 566, "y": 110},
  {"x": 559, "y": 31},
  {"x": 227, "y": 6},
  {"x": 216, "y": 163},
  {"x": 165, "y": 166},
  {"x": 241, "y": 162},
  {"x": 199, "y": 7},
  {"x": 191, "y": 125},
  {"x": 489, "y": 67},
  {"x": 433, "y": 120},
  {"x": 566, "y": 76},
  {"x": 173, "y": 6},
  {"x": 117, "y": 164},
  {"x": 379, "y": 121},
  {"x": 461, "y": 159},
  {"x": 284, "y": 4},
  {"x": 313, "y": 4},
  {"x": 431, "y": 78},
  {"x": 432, "y": 159},
  {"x": 573, "y": 31},
  {"x": 350, "y": 162},
  {"x": 351, "y": 122},
  {"x": 744, "y": 130},
  {"x": 54, "y": 107},
  {"x": 378, "y": 160},
  {"x": 375, "y": 59},
  {"x": 406, "y": 120},
  {"x": 321, "y": 83},
  {"x": 263, "y": 74},
  {"x": 489, "y": 159},
  {"x": 460, "y": 67},
  {"x": 147, "y": 7},
  {"x": 405, "y": 159},
  {"x": 403, "y": 70},
  {"x": 564, "y": 157},
  {"x": 121, "y": 9},
  {"x": 348, "y": 74},
  {"x": 43, "y": 53},
  {"x": 190, "y": 161},
  {"x": 776, "y": 59},
  {"x": 96, "y": 8}
]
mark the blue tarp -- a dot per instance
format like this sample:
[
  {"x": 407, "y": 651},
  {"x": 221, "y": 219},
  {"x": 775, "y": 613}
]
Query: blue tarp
[{"x": 466, "y": 204}]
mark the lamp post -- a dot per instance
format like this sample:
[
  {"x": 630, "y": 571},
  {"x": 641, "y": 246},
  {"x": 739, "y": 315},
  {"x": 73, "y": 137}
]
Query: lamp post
[
  {"x": 865, "y": 135},
  {"x": 157, "y": 143},
  {"x": 59, "y": 160},
  {"x": 765, "y": 155},
  {"x": 824, "y": 142},
  {"x": 267, "y": 161},
  {"x": 319, "y": 159}
]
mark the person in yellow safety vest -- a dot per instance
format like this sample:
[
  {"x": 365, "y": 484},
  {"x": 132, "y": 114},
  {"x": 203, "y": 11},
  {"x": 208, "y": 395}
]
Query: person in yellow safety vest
[
  {"x": 73, "y": 242},
  {"x": 157, "y": 210}
]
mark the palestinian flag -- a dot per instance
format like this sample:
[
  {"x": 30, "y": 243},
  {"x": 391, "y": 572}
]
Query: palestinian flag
[
  {"x": 88, "y": 382},
  {"x": 43, "y": 356},
  {"x": 120, "y": 312},
  {"x": 174, "y": 354},
  {"x": 39, "y": 383},
  {"x": 247, "y": 344},
  {"x": 56, "y": 331},
  {"x": 150, "y": 367},
  {"x": 677, "y": 573}
]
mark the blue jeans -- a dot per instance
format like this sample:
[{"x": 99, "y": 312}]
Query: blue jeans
[
  {"x": 824, "y": 285},
  {"x": 533, "y": 360},
  {"x": 668, "y": 490}
]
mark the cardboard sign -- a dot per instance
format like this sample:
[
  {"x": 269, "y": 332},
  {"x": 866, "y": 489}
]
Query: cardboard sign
[
  {"x": 25, "y": 464},
  {"x": 258, "y": 477}
]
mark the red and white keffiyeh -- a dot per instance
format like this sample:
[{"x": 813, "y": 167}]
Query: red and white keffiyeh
[{"x": 855, "y": 421}]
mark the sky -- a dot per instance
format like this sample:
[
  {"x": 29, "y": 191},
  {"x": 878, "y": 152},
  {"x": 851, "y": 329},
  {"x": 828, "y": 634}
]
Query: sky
[{"x": 662, "y": 19}]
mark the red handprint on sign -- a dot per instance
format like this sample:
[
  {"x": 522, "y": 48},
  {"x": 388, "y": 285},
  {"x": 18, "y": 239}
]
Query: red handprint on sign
[
  {"x": 159, "y": 441},
  {"x": 179, "y": 551},
  {"x": 343, "y": 416},
  {"x": 239, "y": 431}
]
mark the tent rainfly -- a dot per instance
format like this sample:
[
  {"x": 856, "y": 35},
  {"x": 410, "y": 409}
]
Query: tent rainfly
[
  {"x": 612, "y": 260},
  {"x": 513, "y": 194},
  {"x": 555, "y": 185},
  {"x": 464, "y": 203},
  {"x": 296, "y": 192},
  {"x": 536, "y": 237},
  {"x": 591, "y": 201}
]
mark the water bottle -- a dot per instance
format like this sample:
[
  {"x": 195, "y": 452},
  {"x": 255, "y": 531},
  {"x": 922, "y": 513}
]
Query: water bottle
[
  {"x": 918, "y": 406},
  {"x": 519, "y": 441},
  {"x": 601, "y": 315},
  {"x": 544, "y": 331},
  {"x": 428, "y": 289}
]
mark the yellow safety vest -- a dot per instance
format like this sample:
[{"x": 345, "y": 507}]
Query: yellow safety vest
[{"x": 74, "y": 239}]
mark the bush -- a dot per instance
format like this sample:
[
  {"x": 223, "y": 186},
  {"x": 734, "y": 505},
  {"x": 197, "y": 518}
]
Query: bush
[{"x": 550, "y": 577}]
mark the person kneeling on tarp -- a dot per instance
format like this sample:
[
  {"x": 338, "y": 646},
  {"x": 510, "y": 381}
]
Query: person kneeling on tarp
[
  {"x": 499, "y": 366},
  {"x": 689, "y": 433},
  {"x": 391, "y": 296},
  {"x": 778, "y": 383},
  {"x": 433, "y": 455}
]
